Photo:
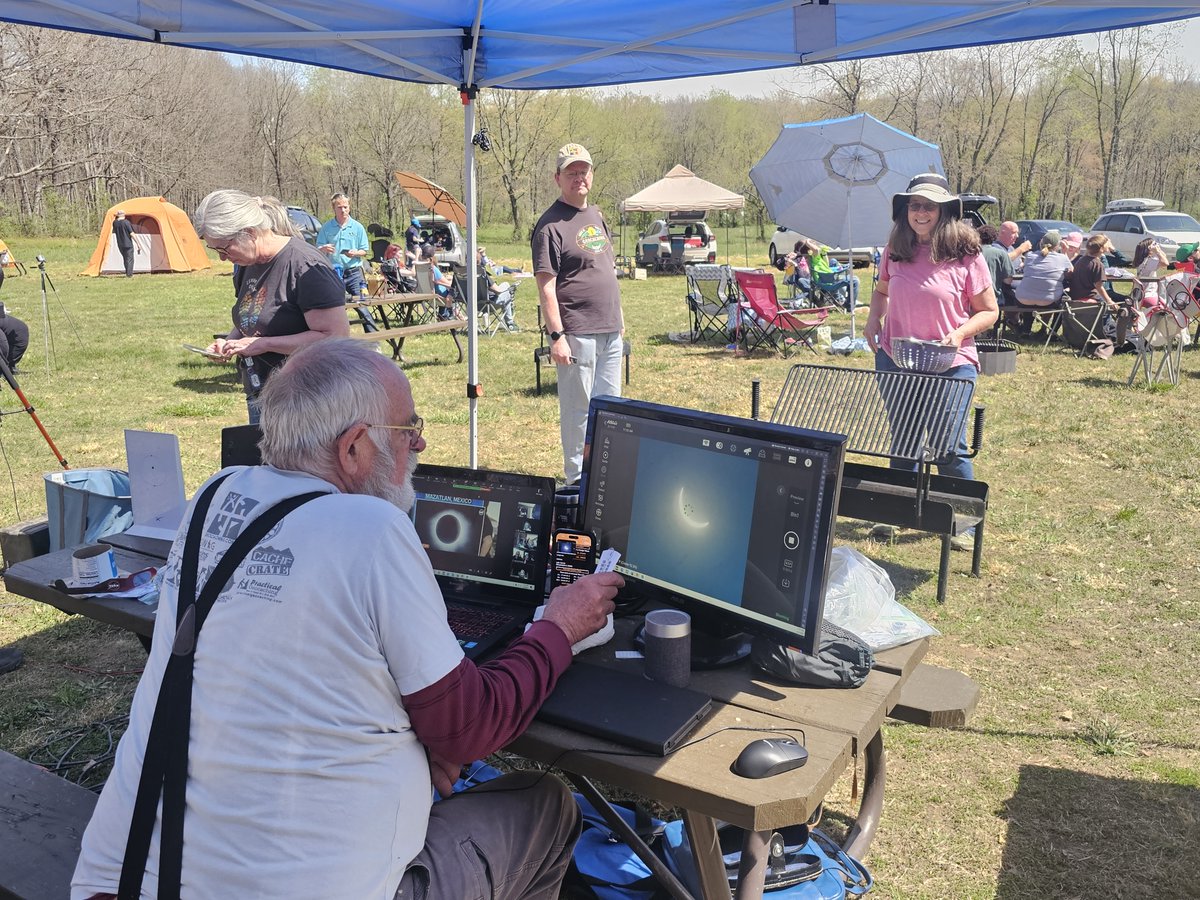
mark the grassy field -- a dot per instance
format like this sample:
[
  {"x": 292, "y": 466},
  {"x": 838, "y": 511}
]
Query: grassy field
[{"x": 1079, "y": 775}]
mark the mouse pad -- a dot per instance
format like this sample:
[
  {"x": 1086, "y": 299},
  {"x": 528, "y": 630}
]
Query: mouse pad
[{"x": 624, "y": 707}]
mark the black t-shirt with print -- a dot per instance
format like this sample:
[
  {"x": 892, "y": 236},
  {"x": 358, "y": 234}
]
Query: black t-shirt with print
[{"x": 272, "y": 298}]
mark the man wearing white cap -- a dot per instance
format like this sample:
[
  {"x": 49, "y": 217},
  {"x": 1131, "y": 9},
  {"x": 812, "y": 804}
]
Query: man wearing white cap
[{"x": 581, "y": 301}]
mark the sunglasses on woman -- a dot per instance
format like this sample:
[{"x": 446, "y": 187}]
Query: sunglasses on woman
[{"x": 923, "y": 206}]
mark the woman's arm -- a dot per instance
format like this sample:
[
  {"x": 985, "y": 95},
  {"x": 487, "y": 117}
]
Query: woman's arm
[
  {"x": 322, "y": 323},
  {"x": 873, "y": 330},
  {"x": 984, "y": 313}
]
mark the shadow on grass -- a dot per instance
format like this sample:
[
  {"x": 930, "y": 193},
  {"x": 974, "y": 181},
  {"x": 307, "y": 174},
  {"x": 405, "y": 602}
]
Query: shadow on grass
[
  {"x": 213, "y": 384},
  {"x": 1074, "y": 834}
]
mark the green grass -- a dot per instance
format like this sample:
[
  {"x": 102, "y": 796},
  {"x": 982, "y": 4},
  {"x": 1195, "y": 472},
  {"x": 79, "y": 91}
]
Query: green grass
[{"x": 1078, "y": 775}]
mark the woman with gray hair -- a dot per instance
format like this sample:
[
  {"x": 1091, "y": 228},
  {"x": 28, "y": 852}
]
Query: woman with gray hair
[{"x": 288, "y": 295}]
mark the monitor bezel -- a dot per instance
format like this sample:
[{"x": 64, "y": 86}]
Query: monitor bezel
[{"x": 713, "y": 615}]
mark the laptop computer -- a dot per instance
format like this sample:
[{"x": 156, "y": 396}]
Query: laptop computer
[
  {"x": 624, "y": 707},
  {"x": 487, "y": 535}
]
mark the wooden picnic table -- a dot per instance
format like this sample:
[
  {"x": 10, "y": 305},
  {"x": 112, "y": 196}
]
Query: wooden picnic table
[
  {"x": 403, "y": 316},
  {"x": 837, "y": 726}
]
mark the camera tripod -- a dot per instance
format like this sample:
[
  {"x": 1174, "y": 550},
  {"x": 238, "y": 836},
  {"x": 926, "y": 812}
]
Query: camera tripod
[
  {"x": 47, "y": 333},
  {"x": 26, "y": 406}
]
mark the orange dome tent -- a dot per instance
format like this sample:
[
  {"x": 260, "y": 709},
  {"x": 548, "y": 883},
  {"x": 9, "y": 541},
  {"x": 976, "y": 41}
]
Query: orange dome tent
[{"x": 163, "y": 237}]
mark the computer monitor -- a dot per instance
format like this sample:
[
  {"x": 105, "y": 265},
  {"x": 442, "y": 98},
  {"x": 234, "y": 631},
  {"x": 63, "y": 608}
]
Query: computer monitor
[{"x": 729, "y": 519}]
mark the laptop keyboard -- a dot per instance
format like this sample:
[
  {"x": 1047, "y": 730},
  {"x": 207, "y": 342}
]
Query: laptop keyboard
[{"x": 473, "y": 623}]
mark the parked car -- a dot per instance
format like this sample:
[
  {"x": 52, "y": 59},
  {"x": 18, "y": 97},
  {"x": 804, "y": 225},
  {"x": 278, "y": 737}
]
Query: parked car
[
  {"x": 305, "y": 222},
  {"x": 1032, "y": 229},
  {"x": 784, "y": 239},
  {"x": 699, "y": 243},
  {"x": 973, "y": 205},
  {"x": 1128, "y": 222},
  {"x": 444, "y": 235}
]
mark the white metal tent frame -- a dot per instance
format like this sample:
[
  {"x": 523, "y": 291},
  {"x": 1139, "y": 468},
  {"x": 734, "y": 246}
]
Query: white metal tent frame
[{"x": 547, "y": 44}]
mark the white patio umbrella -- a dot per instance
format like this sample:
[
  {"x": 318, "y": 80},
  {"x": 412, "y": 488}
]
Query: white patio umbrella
[{"x": 833, "y": 180}]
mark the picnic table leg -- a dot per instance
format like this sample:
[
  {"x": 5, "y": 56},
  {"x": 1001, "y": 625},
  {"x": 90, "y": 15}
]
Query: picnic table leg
[
  {"x": 858, "y": 840},
  {"x": 706, "y": 852},
  {"x": 662, "y": 874},
  {"x": 752, "y": 870}
]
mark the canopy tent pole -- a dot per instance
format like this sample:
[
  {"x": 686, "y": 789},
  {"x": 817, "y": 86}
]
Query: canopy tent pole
[{"x": 468, "y": 91}]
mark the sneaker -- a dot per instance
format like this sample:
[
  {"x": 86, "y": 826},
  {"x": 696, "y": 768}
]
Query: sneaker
[
  {"x": 882, "y": 533},
  {"x": 964, "y": 541}
]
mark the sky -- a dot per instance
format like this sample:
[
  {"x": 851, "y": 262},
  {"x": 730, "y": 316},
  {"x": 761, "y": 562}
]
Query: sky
[{"x": 1185, "y": 38}]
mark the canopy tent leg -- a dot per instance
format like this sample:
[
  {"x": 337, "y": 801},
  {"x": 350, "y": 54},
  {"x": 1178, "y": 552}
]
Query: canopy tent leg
[{"x": 472, "y": 240}]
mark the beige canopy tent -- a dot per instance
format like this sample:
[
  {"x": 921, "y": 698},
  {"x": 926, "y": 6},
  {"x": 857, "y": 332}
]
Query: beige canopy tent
[{"x": 682, "y": 190}]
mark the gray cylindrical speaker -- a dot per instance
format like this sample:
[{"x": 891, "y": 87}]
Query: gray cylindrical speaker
[{"x": 668, "y": 637}]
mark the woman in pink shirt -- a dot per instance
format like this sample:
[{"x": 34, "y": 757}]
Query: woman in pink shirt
[{"x": 933, "y": 285}]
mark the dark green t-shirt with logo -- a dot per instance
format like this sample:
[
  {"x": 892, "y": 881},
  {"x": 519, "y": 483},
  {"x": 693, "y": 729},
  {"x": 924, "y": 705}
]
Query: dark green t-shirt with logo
[{"x": 574, "y": 245}]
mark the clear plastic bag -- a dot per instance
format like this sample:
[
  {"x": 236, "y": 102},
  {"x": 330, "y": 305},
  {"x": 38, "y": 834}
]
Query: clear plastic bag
[{"x": 859, "y": 597}]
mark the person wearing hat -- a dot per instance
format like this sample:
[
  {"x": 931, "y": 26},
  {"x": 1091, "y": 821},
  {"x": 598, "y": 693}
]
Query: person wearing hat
[
  {"x": 1071, "y": 243},
  {"x": 580, "y": 299},
  {"x": 933, "y": 285},
  {"x": 412, "y": 241}
]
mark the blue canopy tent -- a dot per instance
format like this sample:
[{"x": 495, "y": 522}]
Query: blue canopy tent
[{"x": 545, "y": 44}]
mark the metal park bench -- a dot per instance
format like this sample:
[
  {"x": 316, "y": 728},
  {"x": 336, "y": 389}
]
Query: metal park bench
[{"x": 906, "y": 418}]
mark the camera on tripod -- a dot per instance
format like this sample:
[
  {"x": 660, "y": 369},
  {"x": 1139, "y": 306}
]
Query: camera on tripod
[{"x": 41, "y": 261}]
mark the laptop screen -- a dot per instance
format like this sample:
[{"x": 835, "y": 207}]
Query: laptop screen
[{"x": 486, "y": 533}]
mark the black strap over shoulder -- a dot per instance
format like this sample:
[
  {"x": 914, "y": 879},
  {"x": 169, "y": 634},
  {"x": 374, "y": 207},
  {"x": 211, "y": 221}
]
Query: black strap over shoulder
[{"x": 164, "y": 768}]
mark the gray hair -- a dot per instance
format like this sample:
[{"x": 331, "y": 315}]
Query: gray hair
[
  {"x": 225, "y": 213},
  {"x": 322, "y": 390},
  {"x": 277, "y": 213},
  {"x": 339, "y": 196}
]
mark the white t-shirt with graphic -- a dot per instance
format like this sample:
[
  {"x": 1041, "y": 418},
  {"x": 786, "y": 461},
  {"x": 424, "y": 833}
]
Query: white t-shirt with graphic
[{"x": 305, "y": 777}]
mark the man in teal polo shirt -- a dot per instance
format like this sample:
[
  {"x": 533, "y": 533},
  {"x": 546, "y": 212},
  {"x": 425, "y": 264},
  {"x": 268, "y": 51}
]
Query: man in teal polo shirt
[{"x": 345, "y": 242}]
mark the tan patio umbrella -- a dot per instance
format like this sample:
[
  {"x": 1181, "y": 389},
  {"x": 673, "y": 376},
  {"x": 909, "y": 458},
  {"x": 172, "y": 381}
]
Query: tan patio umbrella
[{"x": 433, "y": 197}]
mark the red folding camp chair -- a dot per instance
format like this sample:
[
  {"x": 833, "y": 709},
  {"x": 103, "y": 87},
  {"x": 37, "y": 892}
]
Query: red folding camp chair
[{"x": 763, "y": 322}]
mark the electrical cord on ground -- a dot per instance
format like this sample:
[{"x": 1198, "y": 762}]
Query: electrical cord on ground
[{"x": 73, "y": 754}]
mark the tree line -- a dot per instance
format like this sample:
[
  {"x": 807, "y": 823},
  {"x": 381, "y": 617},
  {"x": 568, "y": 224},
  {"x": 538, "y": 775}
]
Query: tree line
[{"x": 1053, "y": 129}]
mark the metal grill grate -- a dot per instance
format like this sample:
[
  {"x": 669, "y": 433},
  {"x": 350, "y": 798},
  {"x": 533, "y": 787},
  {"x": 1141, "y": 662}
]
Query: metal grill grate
[{"x": 897, "y": 415}]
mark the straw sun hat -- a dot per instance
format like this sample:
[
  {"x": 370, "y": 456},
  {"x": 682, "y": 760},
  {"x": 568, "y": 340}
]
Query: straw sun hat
[{"x": 929, "y": 186}]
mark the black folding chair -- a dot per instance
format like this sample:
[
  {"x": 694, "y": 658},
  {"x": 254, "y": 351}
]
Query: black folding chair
[{"x": 708, "y": 299}]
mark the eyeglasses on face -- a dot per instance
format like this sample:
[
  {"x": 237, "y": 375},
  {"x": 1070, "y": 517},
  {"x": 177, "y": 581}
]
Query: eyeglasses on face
[
  {"x": 223, "y": 247},
  {"x": 414, "y": 430},
  {"x": 922, "y": 206}
]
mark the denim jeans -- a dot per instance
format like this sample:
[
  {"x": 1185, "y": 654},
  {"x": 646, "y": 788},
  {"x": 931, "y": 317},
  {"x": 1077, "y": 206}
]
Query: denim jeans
[{"x": 958, "y": 465}]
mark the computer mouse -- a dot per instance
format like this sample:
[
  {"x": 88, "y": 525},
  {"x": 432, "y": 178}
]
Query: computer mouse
[{"x": 769, "y": 756}]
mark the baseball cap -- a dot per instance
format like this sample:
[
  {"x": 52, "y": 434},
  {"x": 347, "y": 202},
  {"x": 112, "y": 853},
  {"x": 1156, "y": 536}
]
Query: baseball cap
[
  {"x": 416, "y": 221},
  {"x": 570, "y": 153}
]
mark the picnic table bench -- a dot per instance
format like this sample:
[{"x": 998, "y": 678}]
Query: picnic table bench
[
  {"x": 42, "y": 818},
  {"x": 404, "y": 316},
  {"x": 903, "y": 417}
]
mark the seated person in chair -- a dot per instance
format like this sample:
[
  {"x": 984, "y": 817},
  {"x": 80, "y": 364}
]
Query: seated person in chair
[
  {"x": 443, "y": 284},
  {"x": 501, "y": 295},
  {"x": 1042, "y": 282}
]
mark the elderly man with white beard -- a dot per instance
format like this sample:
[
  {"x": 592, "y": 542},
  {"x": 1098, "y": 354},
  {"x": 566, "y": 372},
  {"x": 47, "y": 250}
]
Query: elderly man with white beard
[{"x": 329, "y": 693}]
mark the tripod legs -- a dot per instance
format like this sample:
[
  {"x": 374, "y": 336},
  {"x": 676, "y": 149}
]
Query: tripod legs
[{"x": 25, "y": 404}]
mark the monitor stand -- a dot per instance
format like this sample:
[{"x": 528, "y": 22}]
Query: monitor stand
[{"x": 709, "y": 649}]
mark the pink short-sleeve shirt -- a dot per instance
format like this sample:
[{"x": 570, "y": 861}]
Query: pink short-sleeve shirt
[{"x": 929, "y": 300}]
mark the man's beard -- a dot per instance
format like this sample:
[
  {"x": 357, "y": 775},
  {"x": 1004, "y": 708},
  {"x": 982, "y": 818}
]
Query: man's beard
[{"x": 379, "y": 484}]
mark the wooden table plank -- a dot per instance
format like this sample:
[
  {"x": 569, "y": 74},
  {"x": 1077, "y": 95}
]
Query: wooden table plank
[
  {"x": 32, "y": 579},
  {"x": 697, "y": 777}
]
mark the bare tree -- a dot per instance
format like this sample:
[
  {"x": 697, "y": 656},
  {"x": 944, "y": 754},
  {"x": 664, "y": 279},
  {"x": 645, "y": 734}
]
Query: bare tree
[{"x": 521, "y": 125}]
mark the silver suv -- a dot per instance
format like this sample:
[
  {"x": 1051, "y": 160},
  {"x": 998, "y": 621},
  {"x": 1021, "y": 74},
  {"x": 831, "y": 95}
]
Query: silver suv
[
  {"x": 444, "y": 235},
  {"x": 1129, "y": 222}
]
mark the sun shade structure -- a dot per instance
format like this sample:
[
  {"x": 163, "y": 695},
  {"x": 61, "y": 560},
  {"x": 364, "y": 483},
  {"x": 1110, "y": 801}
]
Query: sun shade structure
[
  {"x": 681, "y": 191},
  {"x": 433, "y": 197},
  {"x": 163, "y": 235},
  {"x": 541, "y": 44}
]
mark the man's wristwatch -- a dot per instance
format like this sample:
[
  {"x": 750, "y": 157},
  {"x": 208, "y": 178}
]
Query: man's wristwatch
[{"x": 555, "y": 335}]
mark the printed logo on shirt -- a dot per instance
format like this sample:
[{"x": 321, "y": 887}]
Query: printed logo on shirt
[
  {"x": 592, "y": 239},
  {"x": 227, "y": 523},
  {"x": 266, "y": 560}
]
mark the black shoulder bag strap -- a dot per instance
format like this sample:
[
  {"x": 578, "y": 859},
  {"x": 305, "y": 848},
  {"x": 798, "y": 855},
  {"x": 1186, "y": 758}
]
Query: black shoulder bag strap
[{"x": 164, "y": 768}]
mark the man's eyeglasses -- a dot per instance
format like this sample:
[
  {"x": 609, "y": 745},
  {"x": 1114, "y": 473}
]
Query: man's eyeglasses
[
  {"x": 921, "y": 206},
  {"x": 414, "y": 430}
]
